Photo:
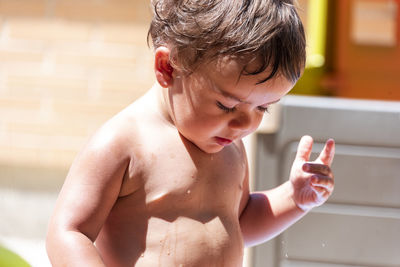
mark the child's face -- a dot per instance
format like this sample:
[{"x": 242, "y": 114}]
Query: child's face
[{"x": 213, "y": 106}]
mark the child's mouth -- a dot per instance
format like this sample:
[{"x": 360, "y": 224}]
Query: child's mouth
[{"x": 223, "y": 141}]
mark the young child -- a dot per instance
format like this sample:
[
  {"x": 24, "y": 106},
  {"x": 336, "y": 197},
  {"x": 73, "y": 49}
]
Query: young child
[{"x": 165, "y": 182}]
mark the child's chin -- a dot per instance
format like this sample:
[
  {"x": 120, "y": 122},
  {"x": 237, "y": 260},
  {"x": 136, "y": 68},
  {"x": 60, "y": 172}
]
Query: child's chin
[{"x": 211, "y": 149}]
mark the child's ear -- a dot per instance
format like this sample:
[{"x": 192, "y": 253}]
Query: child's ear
[{"x": 162, "y": 66}]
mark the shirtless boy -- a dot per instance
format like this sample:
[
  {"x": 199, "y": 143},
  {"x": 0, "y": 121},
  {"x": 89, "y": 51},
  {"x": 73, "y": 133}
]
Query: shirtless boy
[{"x": 165, "y": 182}]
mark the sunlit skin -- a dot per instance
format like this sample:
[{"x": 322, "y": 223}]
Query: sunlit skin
[
  {"x": 213, "y": 103},
  {"x": 165, "y": 182}
]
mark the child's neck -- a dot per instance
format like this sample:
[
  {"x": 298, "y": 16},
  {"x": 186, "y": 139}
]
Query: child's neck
[{"x": 160, "y": 95}]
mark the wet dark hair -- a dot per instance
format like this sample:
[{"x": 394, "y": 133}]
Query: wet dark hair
[{"x": 199, "y": 31}]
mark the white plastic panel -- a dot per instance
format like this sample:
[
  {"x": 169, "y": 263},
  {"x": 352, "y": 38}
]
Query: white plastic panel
[{"x": 360, "y": 224}]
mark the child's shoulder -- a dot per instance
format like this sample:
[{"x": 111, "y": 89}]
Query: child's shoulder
[{"x": 121, "y": 132}]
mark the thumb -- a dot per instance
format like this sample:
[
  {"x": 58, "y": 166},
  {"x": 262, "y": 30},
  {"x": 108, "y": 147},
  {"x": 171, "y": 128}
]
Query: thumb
[{"x": 304, "y": 149}]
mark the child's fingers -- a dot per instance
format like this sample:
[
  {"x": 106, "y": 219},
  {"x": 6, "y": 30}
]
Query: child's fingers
[
  {"x": 322, "y": 192},
  {"x": 327, "y": 153},
  {"x": 317, "y": 168},
  {"x": 304, "y": 148},
  {"x": 324, "y": 182}
]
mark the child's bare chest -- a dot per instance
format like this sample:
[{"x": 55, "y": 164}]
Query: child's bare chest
[
  {"x": 178, "y": 176},
  {"x": 177, "y": 206},
  {"x": 184, "y": 209}
]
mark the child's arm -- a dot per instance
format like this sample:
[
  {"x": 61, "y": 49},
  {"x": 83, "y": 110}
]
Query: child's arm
[
  {"x": 269, "y": 213},
  {"x": 88, "y": 194}
]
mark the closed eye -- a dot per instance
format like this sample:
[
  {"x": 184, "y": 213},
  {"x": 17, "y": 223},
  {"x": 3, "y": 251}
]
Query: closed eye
[
  {"x": 225, "y": 108},
  {"x": 263, "y": 109}
]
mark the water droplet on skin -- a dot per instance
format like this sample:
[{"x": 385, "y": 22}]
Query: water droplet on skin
[{"x": 188, "y": 191}]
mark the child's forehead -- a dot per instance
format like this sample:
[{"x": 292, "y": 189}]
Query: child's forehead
[
  {"x": 235, "y": 69},
  {"x": 226, "y": 76},
  {"x": 228, "y": 72}
]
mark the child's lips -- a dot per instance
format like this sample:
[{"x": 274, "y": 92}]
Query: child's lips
[{"x": 223, "y": 141}]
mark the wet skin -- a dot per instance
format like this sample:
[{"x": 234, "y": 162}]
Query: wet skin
[
  {"x": 165, "y": 182},
  {"x": 176, "y": 205},
  {"x": 184, "y": 186}
]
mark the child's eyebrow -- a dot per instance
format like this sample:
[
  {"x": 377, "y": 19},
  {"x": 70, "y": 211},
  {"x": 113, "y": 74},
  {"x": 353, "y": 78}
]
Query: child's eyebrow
[
  {"x": 229, "y": 95},
  {"x": 226, "y": 94}
]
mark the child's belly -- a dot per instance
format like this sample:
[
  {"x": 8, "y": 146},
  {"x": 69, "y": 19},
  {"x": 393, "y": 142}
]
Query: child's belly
[
  {"x": 209, "y": 240},
  {"x": 215, "y": 241}
]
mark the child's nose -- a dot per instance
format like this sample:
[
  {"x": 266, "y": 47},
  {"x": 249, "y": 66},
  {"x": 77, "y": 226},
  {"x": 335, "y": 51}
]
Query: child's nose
[{"x": 243, "y": 121}]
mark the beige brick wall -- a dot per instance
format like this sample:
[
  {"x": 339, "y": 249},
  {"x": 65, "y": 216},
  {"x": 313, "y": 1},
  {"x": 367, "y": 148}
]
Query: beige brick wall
[{"x": 66, "y": 66}]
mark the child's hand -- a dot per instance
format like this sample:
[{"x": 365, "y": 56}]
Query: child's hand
[{"x": 312, "y": 181}]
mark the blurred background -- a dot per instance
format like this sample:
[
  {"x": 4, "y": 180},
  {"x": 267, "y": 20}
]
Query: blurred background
[{"x": 66, "y": 66}]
